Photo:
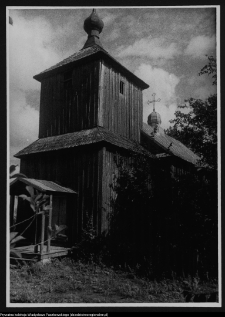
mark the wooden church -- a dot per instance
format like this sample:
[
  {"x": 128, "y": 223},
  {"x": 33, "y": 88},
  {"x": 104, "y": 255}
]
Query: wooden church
[{"x": 91, "y": 110}]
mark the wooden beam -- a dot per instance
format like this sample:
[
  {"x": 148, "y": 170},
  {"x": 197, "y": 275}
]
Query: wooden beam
[
  {"x": 36, "y": 238},
  {"x": 12, "y": 199},
  {"x": 49, "y": 225},
  {"x": 42, "y": 233},
  {"x": 15, "y": 207},
  {"x": 101, "y": 95}
]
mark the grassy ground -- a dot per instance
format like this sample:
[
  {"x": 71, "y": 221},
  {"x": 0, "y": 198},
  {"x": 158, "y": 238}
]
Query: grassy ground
[{"x": 67, "y": 281}]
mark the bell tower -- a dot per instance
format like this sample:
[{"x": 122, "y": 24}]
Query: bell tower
[{"x": 90, "y": 89}]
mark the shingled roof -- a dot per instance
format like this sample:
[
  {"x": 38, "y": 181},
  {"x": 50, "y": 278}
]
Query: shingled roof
[
  {"x": 42, "y": 185},
  {"x": 84, "y": 137},
  {"x": 94, "y": 51},
  {"x": 170, "y": 145}
]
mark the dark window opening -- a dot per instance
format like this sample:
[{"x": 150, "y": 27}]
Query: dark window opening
[{"x": 122, "y": 87}]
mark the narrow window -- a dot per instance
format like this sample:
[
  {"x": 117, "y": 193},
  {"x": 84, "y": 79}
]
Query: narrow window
[{"x": 122, "y": 87}]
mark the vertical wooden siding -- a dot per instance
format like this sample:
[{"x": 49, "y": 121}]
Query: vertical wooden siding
[
  {"x": 109, "y": 170},
  {"x": 91, "y": 173},
  {"x": 72, "y": 105},
  {"x": 91, "y": 98},
  {"x": 110, "y": 173},
  {"x": 80, "y": 170},
  {"x": 122, "y": 113}
]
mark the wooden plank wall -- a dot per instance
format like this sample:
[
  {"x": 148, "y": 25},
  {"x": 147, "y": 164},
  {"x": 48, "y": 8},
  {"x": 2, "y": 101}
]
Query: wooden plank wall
[
  {"x": 109, "y": 171},
  {"x": 72, "y": 105},
  {"x": 80, "y": 170},
  {"x": 92, "y": 97},
  {"x": 89, "y": 172},
  {"x": 110, "y": 174},
  {"x": 122, "y": 113}
]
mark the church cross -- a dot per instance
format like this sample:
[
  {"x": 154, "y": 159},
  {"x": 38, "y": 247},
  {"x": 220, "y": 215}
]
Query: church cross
[{"x": 153, "y": 101}]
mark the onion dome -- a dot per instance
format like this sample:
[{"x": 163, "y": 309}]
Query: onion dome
[
  {"x": 154, "y": 119},
  {"x": 93, "y": 26}
]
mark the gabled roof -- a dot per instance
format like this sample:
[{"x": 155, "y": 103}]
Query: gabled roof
[
  {"x": 84, "y": 137},
  {"x": 93, "y": 51},
  {"x": 42, "y": 185},
  {"x": 170, "y": 145}
]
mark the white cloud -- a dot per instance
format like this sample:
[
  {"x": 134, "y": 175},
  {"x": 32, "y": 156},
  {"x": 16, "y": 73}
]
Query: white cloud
[
  {"x": 108, "y": 19},
  {"x": 201, "y": 45},
  {"x": 151, "y": 48},
  {"x": 195, "y": 80},
  {"x": 129, "y": 21},
  {"x": 163, "y": 84},
  {"x": 24, "y": 122},
  {"x": 204, "y": 92},
  {"x": 201, "y": 86},
  {"x": 113, "y": 35},
  {"x": 29, "y": 51}
]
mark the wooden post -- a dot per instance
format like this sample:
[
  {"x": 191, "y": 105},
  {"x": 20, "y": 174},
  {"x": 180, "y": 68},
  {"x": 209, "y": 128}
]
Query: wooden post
[
  {"x": 15, "y": 207},
  {"x": 50, "y": 225},
  {"x": 42, "y": 233},
  {"x": 12, "y": 199},
  {"x": 101, "y": 95},
  {"x": 36, "y": 233}
]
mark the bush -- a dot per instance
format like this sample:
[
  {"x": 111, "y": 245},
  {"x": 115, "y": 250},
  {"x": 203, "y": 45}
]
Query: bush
[
  {"x": 159, "y": 226},
  {"x": 163, "y": 222}
]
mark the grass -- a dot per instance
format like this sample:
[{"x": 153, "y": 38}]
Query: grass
[{"x": 67, "y": 281}]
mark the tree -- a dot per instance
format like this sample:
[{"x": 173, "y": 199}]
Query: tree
[
  {"x": 210, "y": 68},
  {"x": 196, "y": 202},
  {"x": 197, "y": 129},
  {"x": 161, "y": 222}
]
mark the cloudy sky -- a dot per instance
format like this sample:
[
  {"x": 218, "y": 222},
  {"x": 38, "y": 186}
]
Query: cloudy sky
[{"x": 166, "y": 47}]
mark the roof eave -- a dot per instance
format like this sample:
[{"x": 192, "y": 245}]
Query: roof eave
[
  {"x": 18, "y": 155},
  {"x": 38, "y": 187},
  {"x": 47, "y": 73},
  {"x": 21, "y": 153},
  {"x": 101, "y": 53},
  {"x": 167, "y": 151}
]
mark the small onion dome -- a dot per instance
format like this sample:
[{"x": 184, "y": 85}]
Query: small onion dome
[
  {"x": 93, "y": 23},
  {"x": 154, "y": 119}
]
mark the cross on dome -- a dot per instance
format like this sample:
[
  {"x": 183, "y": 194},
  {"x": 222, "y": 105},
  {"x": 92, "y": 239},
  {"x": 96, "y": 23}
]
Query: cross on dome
[
  {"x": 153, "y": 101},
  {"x": 154, "y": 119}
]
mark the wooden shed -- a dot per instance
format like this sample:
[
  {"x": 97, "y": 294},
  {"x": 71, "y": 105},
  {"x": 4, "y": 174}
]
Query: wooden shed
[{"x": 37, "y": 209}]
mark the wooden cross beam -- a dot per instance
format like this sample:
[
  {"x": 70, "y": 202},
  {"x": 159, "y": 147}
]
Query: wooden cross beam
[{"x": 153, "y": 101}]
